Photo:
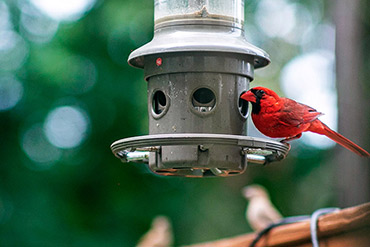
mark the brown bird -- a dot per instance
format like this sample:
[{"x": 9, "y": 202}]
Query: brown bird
[
  {"x": 260, "y": 211},
  {"x": 159, "y": 234}
]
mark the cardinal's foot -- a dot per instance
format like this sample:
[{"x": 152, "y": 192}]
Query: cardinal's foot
[{"x": 291, "y": 138}]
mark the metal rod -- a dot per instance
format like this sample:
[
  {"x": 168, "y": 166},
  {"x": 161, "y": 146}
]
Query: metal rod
[
  {"x": 135, "y": 156},
  {"x": 140, "y": 156},
  {"x": 257, "y": 159}
]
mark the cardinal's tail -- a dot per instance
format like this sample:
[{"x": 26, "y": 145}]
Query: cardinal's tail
[{"x": 319, "y": 127}]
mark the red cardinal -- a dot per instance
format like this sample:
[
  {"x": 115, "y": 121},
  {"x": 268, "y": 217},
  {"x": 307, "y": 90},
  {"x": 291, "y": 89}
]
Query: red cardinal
[{"x": 285, "y": 118}]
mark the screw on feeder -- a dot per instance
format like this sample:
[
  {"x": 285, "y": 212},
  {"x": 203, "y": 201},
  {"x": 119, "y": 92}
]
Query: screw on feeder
[{"x": 197, "y": 122}]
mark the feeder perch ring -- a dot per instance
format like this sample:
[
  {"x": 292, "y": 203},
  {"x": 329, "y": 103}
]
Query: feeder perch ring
[{"x": 256, "y": 150}]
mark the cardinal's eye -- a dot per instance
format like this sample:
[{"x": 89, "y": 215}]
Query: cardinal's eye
[{"x": 260, "y": 93}]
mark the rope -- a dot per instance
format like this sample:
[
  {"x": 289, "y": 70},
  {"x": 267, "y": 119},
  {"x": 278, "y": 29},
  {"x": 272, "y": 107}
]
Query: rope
[
  {"x": 284, "y": 221},
  {"x": 313, "y": 223},
  {"x": 289, "y": 220}
]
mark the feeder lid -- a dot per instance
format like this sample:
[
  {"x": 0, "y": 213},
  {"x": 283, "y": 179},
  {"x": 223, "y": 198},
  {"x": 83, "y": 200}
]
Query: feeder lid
[{"x": 199, "y": 36}]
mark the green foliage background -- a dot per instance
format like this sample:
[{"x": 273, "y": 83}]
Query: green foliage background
[{"x": 87, "y": 197}]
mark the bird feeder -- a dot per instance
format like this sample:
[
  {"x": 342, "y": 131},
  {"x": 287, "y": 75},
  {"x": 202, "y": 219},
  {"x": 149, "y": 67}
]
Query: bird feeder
[{"x": 196, "y": 67}]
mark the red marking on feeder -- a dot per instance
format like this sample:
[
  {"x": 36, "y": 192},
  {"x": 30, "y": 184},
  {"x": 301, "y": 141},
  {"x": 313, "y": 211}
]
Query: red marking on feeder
[{"x": 158, "y": 62}]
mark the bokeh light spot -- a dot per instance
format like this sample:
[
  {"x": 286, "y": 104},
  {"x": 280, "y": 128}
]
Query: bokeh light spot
[
  {"x": 5, "y": 23},
  {"x": 66, "y": 127},
  {"x": 64, "y": 10},
  {"x": 11, "y": 92},
  {"x": 276, "y": 18},
  {"x": 36, "y": 26},
  {"x": 38, "y": 149},
  {"x": 13, "y": 50},
  {"x": 310, "y": 79}
]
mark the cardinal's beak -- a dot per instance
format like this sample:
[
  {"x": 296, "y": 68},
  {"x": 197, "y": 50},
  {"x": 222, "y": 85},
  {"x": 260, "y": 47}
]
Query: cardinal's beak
[{"x": 249, "y": 96}]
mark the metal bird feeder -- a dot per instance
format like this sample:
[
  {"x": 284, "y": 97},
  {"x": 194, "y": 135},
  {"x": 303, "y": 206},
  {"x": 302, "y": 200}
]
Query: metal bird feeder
[{"x": 197, "y": 66}]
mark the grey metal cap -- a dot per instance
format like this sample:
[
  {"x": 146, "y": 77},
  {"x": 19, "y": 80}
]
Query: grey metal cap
[{"x": 196, "y": 36}]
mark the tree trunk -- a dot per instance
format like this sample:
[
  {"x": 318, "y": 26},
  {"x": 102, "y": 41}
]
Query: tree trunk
[{"x": 352, "y": 172}]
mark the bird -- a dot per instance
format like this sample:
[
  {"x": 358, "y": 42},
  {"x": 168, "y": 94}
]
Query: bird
[
  {"x": 260, "y": 212},
  {"x": 279, "y": 117},
  {"x": 159, "y": 234}
]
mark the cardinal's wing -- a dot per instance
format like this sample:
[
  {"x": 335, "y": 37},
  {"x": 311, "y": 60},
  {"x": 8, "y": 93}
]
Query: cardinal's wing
[{"x": 294, "y": 114}]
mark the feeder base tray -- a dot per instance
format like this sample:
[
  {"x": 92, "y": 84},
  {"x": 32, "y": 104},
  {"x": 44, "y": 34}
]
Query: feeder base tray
[{"x": 199, "y": 155}]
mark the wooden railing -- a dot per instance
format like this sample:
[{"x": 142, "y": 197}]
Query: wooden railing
[{"x": 348, "y": 227}]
